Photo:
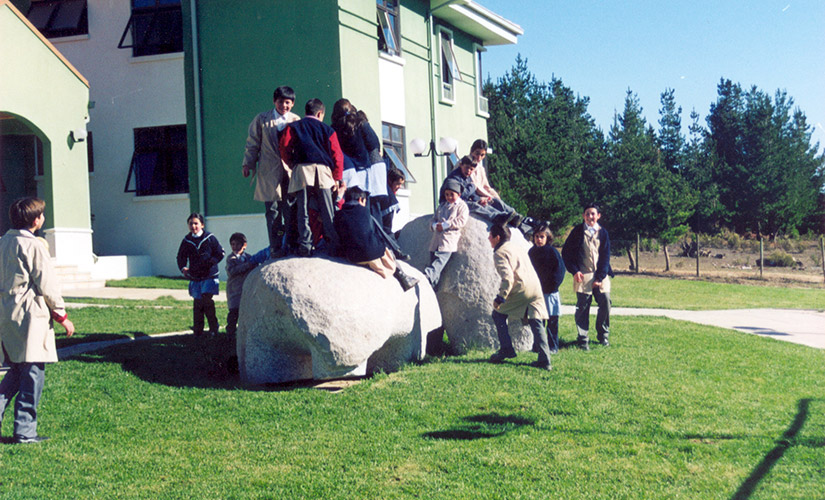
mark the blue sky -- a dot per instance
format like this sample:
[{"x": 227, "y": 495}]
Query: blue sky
[{"x": 601, "y": 48}]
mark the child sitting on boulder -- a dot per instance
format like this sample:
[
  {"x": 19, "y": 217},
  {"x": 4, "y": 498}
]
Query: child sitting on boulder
[
  {"x": 452, "y": 215},
  {"x": 362, "y": 241},
  {"x": 238, "y": 265}
]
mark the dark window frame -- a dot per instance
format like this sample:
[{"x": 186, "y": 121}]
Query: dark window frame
[
  {"x": 395, "y": 150},
  {"x": 59, "y": 18},
  {"x": 159, "y": 164},
  {"x": 158, "y": 25},
  {"x": 389, "y": 27}
]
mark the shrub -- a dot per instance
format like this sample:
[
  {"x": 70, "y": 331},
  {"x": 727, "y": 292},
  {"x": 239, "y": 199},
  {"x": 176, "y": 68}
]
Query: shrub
[{"x": 779, "y": 259}]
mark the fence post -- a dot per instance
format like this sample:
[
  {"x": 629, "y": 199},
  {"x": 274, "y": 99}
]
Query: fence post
[
  {"x": 822, "y": 254},
  {"x": 761, "y": 255},
  {"x": 697, "y": 255}
]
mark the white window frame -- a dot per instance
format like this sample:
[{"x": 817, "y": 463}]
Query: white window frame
[
  {"x": 482, "y": 108},
  {"x": 447, "y": 76}
]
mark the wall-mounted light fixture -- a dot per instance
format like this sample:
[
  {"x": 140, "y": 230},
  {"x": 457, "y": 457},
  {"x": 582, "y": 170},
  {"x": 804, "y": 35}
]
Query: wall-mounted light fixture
[
  {"x": 79, "y": 134},
  {"x": 420, "y": 148}
]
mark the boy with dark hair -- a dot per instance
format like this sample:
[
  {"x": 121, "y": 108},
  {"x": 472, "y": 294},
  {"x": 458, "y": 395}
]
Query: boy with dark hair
[
  {"x": 310, "y": 147},
  {"x": 362, "y": 240},
  {"x": 387, "y": 205},
  {"x": 238, "y": 265},
  {"x": 586, "y": 254},
  {"x": 519, "y": 297},
  {"x": 262, "y": 155},
  {"x": 490, "y": 209},
  {"x": 29, "y": 303}
]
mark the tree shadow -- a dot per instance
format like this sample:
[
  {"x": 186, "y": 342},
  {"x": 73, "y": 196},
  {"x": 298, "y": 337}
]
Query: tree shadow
[
  {"x": 787, "y": 440},
  {"x": 484, "y": 426}
]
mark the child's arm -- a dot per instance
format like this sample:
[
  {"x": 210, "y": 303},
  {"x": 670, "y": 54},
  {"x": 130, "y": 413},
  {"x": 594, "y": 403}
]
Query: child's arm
[
  {"x": 253, "y": 147},
  {"x": 505, "y": 271},
  {"x": 260, "y": 257},
  {"x": 337, "y": 159},
  {"x": 43, "y": 276},
  {"x": 285, "y": 145},
  {"x": 182, "y": 258}
]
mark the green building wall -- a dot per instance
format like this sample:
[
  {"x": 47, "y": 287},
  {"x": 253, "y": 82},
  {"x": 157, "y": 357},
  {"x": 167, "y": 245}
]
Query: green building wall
[
  {"x": 321, "y": 48},
  {"x": 246, "y": 50}
]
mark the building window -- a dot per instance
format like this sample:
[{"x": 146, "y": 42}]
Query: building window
[
  {"x": 59, "y": 18},
  {"x": 159, "y": 163},
  {"x": 449, "y": 67},
  {"x": 90, "y": 152},
  {"x": 395, "y": 152},
  {"x": 482, "y": 108},
  {"x": 389, "y": 29},
  {"x": 156, "y": 27}
]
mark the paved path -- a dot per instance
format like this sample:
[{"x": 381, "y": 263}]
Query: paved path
[{"x": 800, "y": 326}]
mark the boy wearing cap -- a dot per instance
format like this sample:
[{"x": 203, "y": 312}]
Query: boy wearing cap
[{"x": 452, "y": 215}]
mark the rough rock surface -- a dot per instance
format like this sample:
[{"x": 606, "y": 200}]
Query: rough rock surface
[
  {"x": 468, "y": 285},
  {"x": 318, "y": 318}
]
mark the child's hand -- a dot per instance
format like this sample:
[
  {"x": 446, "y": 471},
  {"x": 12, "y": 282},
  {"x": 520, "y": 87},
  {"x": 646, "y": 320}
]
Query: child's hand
[
  {"x": 69, "y": 326},
  {"x": 578, "y": 277},
  {"x": 483, "y": 201}
]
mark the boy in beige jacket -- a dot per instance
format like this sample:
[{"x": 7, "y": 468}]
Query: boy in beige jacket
[{"x": 30, "y": 302}]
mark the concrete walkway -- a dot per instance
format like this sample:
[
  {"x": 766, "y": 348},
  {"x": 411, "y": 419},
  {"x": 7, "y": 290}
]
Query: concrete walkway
[{"x": 799, "y": 326}]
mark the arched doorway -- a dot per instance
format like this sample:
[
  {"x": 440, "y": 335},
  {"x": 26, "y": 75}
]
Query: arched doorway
[{"x": 22, "y": 162}]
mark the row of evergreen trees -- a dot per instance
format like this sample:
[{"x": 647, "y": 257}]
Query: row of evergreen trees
[{"x": 752, "y": 168}]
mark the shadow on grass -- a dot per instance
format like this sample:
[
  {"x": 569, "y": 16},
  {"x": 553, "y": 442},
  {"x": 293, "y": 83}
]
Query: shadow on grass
[
  {"x": 787, "y": 440},
  {"x": 485, "y": 426},
  {"x": 177, "y": 361},
  {"x": 94, "y": 337}
]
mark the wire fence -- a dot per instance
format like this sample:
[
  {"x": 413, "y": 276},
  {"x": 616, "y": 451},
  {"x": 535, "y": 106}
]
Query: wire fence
[{"x": 714, "y": 257}]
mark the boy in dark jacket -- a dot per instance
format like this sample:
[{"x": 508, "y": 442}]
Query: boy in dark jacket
[
  {"x": 310, "y": 147},
  {"x": 362, "y": 241},
  {"x": 550, "y": 269},
  {"x": 586, "y": 254}
]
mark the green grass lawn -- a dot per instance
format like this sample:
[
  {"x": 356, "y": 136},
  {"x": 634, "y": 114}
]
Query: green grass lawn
[
  {"x": 671, "y": 410},
  {"x": 130, "y": 318},
  {"x": 176, "y": 283},
  {"x": 667, "y": 293},
  {"x": 640, "y": 291}
]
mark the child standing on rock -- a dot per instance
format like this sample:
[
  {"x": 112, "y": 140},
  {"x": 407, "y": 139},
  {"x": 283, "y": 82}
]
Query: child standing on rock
[{"x": 198, "y": 258}]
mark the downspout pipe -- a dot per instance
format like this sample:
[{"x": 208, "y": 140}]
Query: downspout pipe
[
  {"x": 196, "y": 83},
  {"x": 433, "y": 97}
]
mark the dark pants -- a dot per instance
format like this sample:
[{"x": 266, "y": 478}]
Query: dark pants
[
  {"x": 204, "y": 306},
  {"x": 326, "y": 210},
  {"x": 506, "y": 343},
  {"x": 583, "y": 301},
  {"x": 280, "y": 224},
  {"x": 24, "y": 380},
  {"x": 232, "y": 321},
  {"x": 553, "y": 333}
]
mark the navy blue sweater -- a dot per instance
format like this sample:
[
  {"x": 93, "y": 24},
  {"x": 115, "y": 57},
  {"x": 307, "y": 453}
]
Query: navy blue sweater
[
  {"x": 571, "y": 252},
  {"x": 202, "y": 255},
  {"x": 549, "y": 267},
  {"x": 358, "y": 233}
]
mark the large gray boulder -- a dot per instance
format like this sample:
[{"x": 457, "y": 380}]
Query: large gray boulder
[
  {"x": 468, "y": 285},
  {"x": 317, "y": 318}
]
